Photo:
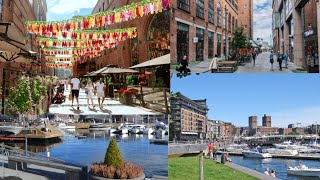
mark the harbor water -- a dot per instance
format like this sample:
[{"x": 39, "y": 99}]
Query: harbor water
[
  {"x": 279, "y": 165},
  {"x": 92, "y": 147}
]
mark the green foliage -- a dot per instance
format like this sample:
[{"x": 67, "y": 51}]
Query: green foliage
[
  {"x": 38, "y": 89},
  {"x": 240, "y": 40},
  {"x": 113, "y": 156},
  {"x": 20, "y": 101},
  {"x": 130, "y": 79},
  {"x": 109, "y": 81}
]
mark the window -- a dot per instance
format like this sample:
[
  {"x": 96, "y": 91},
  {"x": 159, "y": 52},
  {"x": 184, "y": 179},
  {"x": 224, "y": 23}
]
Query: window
[
  {"x": 39, "y": 12},
  {"x": 30, "y": 1},
  {"x": 109, "y": 1},
  {"x": 219, "y": 14},
  {"x": 200, "y": 9},
  {"x": 211, "y": 12},
  {"x": 229, "y": 22},
  {"x": 200, "y": 44},
  {"x": 210, "y": 44},
  {"x": 182, "y": 40},
  {"x": 184, "y": 5}
]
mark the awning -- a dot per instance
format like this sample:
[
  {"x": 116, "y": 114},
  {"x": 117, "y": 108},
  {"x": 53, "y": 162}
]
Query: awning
[
  {"x": 154, "y": 62},
  {"x": 12, "y": 47},
  {"x": 111, "y": 70}
]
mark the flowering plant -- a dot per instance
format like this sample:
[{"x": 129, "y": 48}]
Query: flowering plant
[
  {"x": 142, "y": 83},
  {"x": 124, "y": 91}
]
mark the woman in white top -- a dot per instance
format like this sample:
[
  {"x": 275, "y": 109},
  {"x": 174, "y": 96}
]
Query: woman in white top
[{"x": 89, "y": 89}]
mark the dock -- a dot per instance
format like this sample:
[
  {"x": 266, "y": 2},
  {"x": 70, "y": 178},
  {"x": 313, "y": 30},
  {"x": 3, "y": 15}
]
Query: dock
[
  {"x": 302, "y": 157},
  {"x": 159, "y": 141}
]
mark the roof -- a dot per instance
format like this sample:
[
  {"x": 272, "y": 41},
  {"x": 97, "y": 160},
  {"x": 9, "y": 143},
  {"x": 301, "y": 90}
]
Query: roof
[
  {"x": 178, "y": 94},
  {"x": 154, "y": 62}
]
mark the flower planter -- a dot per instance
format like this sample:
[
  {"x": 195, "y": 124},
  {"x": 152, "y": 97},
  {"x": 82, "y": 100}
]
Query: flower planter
[
  {"x": 126, "y": 99},
  {"x": 92, "y": 177}
]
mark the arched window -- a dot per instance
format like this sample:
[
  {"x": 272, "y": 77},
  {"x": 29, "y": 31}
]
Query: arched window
[{"x": 159, "y": 35}]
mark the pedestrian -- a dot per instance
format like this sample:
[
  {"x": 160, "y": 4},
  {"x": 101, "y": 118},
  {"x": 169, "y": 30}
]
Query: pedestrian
[
  {"x": 271, "y": 60},
  {"x": 214, "y": 64},
  {"x": 286, "y": 58},
  {"x": 266, "y": 172},
  {"x": 99, "y": 88},
  {"x": 184, "y": 64},
  {"x": 279, "y": 59},
  {"x": 254, "y": 55},
  {"x": 75, "y": 88},
  {"x": 89, "y": 92},
  {"x": 273, "y": 173},
  {"x": 210, "y": 147}
]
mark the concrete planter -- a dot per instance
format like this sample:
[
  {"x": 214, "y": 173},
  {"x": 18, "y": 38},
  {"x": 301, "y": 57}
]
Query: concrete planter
[
  {"x": 92, "y": 177},
  {"x": 126, "y": 99}
]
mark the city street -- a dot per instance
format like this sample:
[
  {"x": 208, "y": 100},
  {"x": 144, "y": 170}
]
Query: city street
[{"x": 263, "y": 65}]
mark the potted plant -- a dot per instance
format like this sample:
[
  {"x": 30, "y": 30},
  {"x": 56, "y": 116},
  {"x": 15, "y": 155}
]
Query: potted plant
[
  {"x": 114, "y": 167},
  {"x": 126, "y": 95}
]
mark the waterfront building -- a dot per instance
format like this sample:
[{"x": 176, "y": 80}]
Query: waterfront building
[
  {"x": 188, "y": 118},
  {"x": 262, "y": 130},
  {"x": 285, "y": 131},
  {"x": 202, "y": 29},
  {"x": 266, "y": 121},
  {"x": 295, "y": 30},
  {"x": 151, "y": 42}
]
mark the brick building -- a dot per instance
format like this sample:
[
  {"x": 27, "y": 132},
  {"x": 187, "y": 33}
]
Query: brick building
[
  {"x": 245, "y": 16},
  {"x": 266, "y": 121},
  {"x": 263, "y": 130},
  {"x": 189, "y": 118},
  {"x": 285, "y": 131},
  {"x": 14, "y": 14},
  {"x": 295, "y": 30},
  {"x": 202, "y": 29},
  {"x": 152, "y": 29},
  {"x": 253, "y": 124}
]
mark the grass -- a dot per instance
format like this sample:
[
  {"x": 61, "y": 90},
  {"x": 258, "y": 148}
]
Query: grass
[{"x": 188, "y": 168}]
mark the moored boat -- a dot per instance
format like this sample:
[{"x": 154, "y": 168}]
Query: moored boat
[
  {"x": 302, "y": 170},
  {"x": 256, "y": 153}
]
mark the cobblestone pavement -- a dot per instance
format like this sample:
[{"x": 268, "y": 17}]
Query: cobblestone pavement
[{"x": 263, "y": 66}]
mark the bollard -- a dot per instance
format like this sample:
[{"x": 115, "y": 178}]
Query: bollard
[{"x": 223, "y": 158}]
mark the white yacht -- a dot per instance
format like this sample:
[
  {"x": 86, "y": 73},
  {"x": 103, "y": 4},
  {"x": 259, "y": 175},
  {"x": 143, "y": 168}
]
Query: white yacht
[
  {"x": 303, "y": 170},
  {"x": 122, "y": 130},
  {"x": 138, "y": 129},
  {"x": 299, "y": 148},
  {"x": 99, "y": 127},
  {"x": 112, "y": 130},
  {"x": 256, "y": 153},
  {"x": 282, "y": 151},
  {"x": 237, "y": 148},
  {"x": 64, "y": 126},
  {"x": 148, "y": 130}
]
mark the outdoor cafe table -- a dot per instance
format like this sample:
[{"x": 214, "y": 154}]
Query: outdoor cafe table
[{"x": 232, "y": 65}]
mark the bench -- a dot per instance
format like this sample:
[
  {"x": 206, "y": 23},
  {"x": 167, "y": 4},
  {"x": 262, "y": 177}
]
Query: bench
[{"x": 72, "y": 172}]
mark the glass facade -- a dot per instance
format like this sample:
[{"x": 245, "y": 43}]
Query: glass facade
[
  {"x": 210, "y": 44},
  {"x": 200, "y": 44}
]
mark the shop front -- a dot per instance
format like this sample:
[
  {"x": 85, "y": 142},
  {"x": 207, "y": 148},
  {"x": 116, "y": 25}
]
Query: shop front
[
  {"x": 182, "y": 40},
  {"x": 311, "y": 51}
]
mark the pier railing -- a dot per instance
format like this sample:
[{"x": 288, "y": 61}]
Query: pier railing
[{"x": 13, "y": 151}]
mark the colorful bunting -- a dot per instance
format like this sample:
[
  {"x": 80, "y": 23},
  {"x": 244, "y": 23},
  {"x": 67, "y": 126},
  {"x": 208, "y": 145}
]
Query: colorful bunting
[{"x": 125, "y": 13}]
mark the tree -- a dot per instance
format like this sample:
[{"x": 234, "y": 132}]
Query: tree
[
  {"x": 113, "y": 156},
  {"x": 240, "y": 40}
]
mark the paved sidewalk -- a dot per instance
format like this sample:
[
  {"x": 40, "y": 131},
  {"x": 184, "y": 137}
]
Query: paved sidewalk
[
  {"x": 200, "y": 67},
  {"x": 263, "y": 66}
]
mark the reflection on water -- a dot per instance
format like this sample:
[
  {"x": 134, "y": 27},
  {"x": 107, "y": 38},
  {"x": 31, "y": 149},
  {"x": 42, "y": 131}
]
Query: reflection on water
[
  {"x": 134, "y": 148},
  {"x": 279, "y": 165}
]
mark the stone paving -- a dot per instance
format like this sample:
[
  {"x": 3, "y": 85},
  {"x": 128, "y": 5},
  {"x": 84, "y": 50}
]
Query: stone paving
[
  {"x": 263, "y": 66},
  {"x": 110, "y": 106}
]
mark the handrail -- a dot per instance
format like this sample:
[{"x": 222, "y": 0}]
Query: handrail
[{"x": 15, "y": 150}]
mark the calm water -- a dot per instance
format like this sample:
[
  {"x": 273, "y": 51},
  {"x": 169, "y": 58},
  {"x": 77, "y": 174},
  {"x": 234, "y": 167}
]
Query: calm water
[
  {"x": 134, "y": 148},
  {"x": 279, "y": 165}
]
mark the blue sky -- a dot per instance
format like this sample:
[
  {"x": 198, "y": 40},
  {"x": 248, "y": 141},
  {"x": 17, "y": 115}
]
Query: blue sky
[
  {"x": 232, "y": 98},
  {"x": 66, "y": 9}
]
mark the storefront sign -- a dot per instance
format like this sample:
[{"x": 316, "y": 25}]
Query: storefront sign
[
  {"x": 195, "y": 39},
  {"x": 308, "y": 33}
]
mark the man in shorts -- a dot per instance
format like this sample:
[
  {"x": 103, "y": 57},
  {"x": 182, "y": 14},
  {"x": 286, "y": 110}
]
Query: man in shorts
[
  {"x": 99, "y": 88},
  {"x": 75, "y": 86}
]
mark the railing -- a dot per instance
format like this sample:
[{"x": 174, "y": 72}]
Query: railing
[{"x": 13, "y": 151}]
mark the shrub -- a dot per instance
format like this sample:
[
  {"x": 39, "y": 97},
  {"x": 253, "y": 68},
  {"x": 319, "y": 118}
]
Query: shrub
[
  {"x": 126, "y": 171},
  {"x": 113, "y": 156}
]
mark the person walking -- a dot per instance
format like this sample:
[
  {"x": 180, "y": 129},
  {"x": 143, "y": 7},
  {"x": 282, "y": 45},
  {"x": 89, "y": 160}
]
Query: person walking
[
  {"x": 266, "y": 172},
  {"x": 279, "y": 59},
  {"x": 89, "y": 89},
  {"x": 271, "y": 60},
  {"x": 75, "y": 88},
  {"x": 99, "y": 88},
  {"x": 286, "y": 58},
  {"x": 254, "y": 55}
]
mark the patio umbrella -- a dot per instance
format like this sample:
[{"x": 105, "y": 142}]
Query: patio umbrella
[
  {"x": 114, "y": 70},
  {"x": 154, "y": 62}
]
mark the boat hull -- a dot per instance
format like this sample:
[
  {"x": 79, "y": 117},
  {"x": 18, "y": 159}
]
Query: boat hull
[
  {"x": 256, "y": 155},
  {"x": 308, "y": 173}
]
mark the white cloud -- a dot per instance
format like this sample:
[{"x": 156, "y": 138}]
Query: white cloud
[
  {"x": 65, "y": 9},
  {"x": 262, "y": 17}
]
